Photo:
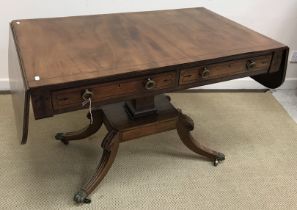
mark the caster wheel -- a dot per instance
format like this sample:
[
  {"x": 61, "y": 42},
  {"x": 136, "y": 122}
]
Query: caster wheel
[
  {"x": 216, "y": 162},
  {"x": 218, "y": 159},
  {"x": 221, "y": 156},
  {"x": 81, "y": 197},
  {"x": 60, "y": 137}
]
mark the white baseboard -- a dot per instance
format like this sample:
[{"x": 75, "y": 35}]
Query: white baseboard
[
  {"x": 4, "y": 84},
  {"x": 244, "y": 83},
  {"x": 248, "y": 83}
]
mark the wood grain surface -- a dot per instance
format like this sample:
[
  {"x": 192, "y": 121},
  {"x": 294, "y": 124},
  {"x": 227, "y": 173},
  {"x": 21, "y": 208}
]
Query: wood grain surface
[
  {"x": 115, "y": 117},
  {"x": 224, "y": 69},
  {"x": 103, "y": 92},
  {"x": 72, "y": 49},
  {"x": 19, "y": 91},
  {"x": 55, "y": 60}
]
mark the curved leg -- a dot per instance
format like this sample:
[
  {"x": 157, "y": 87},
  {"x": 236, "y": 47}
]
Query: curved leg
[
  {"x": 184, "y": 126},
  {"x": 85, "y": 132},
  {"x": 110, "y": 146}
]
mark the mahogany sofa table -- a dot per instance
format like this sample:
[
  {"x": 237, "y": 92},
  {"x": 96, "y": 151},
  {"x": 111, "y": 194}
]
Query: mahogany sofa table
[{"x": 120, "y": 65}]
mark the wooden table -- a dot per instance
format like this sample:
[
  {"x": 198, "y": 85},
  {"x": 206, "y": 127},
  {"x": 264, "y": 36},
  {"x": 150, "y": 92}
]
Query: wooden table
[{"x": 119, "y": 66}]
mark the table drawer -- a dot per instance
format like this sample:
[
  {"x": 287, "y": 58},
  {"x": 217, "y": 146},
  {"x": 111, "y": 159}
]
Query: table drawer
[
  {"x": 225, "y": 69},
  {"x": 72, "y": 98}
]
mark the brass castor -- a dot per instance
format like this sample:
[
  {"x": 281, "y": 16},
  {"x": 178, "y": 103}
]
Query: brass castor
[
  {"x": 81, "y": 197},
  {"x": 60, "y": 137},
  {"x": 218, "y": 159}
]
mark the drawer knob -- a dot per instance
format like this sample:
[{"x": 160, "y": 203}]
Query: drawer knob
[
  {"x": 150, "y": 84},
  {"x": 250, "y": 64},
  {"x": 87, "y": 94},
  {"x": 204, "y": 73}
]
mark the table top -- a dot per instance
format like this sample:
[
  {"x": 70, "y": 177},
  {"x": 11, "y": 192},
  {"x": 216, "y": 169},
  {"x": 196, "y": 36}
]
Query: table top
[{"x": 69, "y": 49}]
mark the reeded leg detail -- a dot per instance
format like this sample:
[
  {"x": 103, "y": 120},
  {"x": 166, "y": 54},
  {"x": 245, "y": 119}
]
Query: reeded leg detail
[
  {"x": 184, "y": 127},
  {"x": 110, "y": 147},
  {"x": 85, "y": 132}
]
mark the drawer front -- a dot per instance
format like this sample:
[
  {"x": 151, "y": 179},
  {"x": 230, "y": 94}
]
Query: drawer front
[
  {"x": 225, "y": 69},
  {"x": 72, "y": 98}
]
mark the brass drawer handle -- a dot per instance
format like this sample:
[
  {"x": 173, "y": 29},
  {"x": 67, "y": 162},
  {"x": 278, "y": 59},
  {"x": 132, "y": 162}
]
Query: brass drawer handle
[
  {"x": 250, "y": 64},
  {"x": 150, "y": 84},
  {"x": 205, "y": 73},
  {"x": 87, "y": 94}
]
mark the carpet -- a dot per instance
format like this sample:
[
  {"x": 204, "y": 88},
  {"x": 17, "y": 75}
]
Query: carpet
[{"x": 257, "y": 136}]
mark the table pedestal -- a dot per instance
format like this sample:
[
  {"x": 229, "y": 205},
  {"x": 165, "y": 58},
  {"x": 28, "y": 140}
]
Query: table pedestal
[{"x": 122, "y": 126}]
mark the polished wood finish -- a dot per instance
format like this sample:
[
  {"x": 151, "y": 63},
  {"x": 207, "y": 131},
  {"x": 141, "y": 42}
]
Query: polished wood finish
[
  {"x": 72, "y": 98},
  {"x": 110, "y": 146},
  {"x": 72, "y": 49},
  {"x": 96, "y": 121},
  {"x": 121, "y": 129},
  {"x": 115, "y": 55},
  {"x": 119, "y": 63},
  {"x": 184, "y": 126},
  {"x": 143, "y": 103},
  {"x": 141, "y": 107},
  {"x": 277, "y": 73},
  {"x": 117, "y": 118},
  {"x": 19, "y": 91},
  {"x": 42, "y": 103},
  {"x": 225, "y": 69}
]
